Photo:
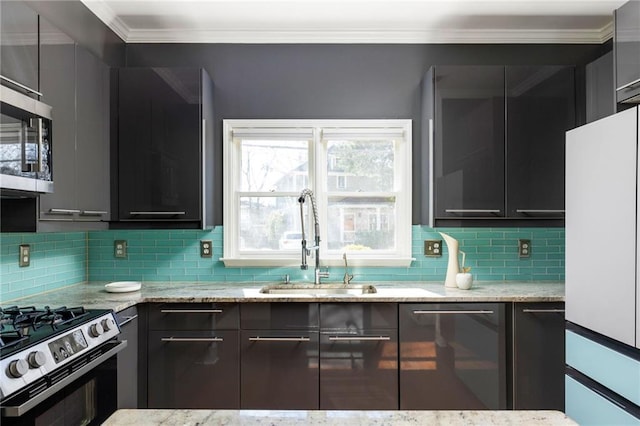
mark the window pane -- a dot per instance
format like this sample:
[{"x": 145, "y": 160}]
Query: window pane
[
  {"x": 274, "y": 165},
  {"x": 361, "y": 223},
  {"x": 270, "y": 223},
  {"x": 357, "y": 166}
]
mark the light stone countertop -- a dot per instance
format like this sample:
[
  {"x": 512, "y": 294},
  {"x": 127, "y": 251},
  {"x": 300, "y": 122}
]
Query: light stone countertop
[
  {"x": 343, "y": 418},
  {"x": 93, "y": 295}
]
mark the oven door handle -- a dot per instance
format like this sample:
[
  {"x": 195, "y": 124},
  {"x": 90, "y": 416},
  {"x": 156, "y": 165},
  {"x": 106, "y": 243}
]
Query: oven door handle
[{"x": 19, "y": 410}]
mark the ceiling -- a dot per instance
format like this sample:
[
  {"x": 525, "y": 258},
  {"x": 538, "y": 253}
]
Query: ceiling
[{"x": 358, "y": 21}]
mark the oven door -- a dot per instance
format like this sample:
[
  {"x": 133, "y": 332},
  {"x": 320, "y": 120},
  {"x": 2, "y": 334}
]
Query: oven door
[{"x": 86, "y": 395}]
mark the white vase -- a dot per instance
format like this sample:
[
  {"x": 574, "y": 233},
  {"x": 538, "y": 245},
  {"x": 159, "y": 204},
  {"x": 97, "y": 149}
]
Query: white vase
[
  {"x": 464, "y": 280},
  {"x": 452, "y": 266}
]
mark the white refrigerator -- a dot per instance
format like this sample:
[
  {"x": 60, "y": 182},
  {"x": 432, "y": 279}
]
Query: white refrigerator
[{"x": 602, "y": 271}]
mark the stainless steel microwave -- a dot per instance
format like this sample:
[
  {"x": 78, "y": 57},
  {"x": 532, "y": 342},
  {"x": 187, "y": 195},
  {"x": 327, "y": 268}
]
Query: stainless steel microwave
[{"x": 25, "y": 143}]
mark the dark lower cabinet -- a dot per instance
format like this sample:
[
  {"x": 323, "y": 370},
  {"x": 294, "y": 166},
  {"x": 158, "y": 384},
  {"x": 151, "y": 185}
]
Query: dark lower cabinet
[
  {"x": 193, "y": 369},
  {"x": 128, "y": 359},
  {"x": 358, "y": 356},
  {"x": 538, "y": 358},
  {"x": 452, "y": 356},
  {"x": 279, "y": 369}
]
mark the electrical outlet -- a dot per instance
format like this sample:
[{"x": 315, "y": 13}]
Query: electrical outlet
[
  {"x": 524, "y": 248},
  {"x": 120, "y": 249},
  {"x": 25, "y": 255},
  {"x": 433, "y": 248},
  {"x": 206, "y": 248}
]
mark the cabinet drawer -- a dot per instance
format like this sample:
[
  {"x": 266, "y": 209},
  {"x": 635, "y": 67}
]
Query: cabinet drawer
[
  {"x": 358, "y": 316},
  {"x": 279, "y": 316},
  {"x": 193, "y": 316},
  {"x": 588, "y": 407},
  {"x": 613, "y": 369}
]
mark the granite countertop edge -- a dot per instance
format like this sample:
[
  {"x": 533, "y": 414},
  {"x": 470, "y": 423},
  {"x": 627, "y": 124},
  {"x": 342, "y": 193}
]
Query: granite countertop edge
[{"x": 93, "y": 294}]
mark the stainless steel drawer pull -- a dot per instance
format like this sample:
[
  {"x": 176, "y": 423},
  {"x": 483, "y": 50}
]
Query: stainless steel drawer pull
[
  {"x": 127, "y": 320},
  {"x": 629, "y": 85},
  {"x": 192, "y": 339},
  {"x": 364, "y": 338},
  {"x": 63, "y": 211},
  {"x": 191, "y": 311},
  {"x": 525, "y": 211},
  {"x": 279, "y": 339},
  {"x": 452, "y": 312},
  {"x": 543, "y": 311},
  {"x": 92, "y": 212},
  {"x": 158, "y": 213},
  {"x": 471, "y": 211}
]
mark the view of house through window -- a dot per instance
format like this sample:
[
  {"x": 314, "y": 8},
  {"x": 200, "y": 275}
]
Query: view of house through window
[{"x": 358, "y": 170}]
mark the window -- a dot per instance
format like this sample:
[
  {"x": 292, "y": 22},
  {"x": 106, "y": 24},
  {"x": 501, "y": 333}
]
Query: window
[{"x": 358, "y": 170}]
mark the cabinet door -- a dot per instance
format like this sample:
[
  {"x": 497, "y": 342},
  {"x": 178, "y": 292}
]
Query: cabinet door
[
  {"x": 58, "y": 80},
  {"x": 627, "y": 50},
  {"x": 469, "y": 141},
  {"x": 452, "y": 356},
  {"x": 92, "y": 136},
  {"x": 359, "y": 370},
  {"x": 193, "y": 369},
  {"x": 279, "y": 370},
  {"x": 538, "y": 359},
  {"x": 128, "y": 359},
  {"x": 19, "y": 38},
  {"x": 540, "y": 109},
  {"x": 159, "y": 146}
]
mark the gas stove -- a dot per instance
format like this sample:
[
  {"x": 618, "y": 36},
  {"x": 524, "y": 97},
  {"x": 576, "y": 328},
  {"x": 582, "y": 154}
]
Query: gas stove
[{"x": 41, "y": 346}]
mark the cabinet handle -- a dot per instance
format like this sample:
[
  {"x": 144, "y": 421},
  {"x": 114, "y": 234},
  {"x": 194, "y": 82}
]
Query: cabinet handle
[
  {"x": 192, "y": 339},
  {"x": 127, "y": 320},
  {"x": 629, "y": 85},
  {"x": 158, "y": 213},
  {"x": 20, "y": 85},
  {"x": 63, "y": 211},
  {"x": 279, "y": 339},
  {"x": 191, "y": 311},
  {"x": 92, "y": 213},
  {"x": 525, "y": 211},
  {"x": 543, "y": 311},
  {"x": 471, "y": 211},
  {"x": 452, "y": 312},
  {"x": 364, "y": 338}
]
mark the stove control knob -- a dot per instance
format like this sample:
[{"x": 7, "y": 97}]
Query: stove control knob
[
  {"x": 18, "y": 368},
  {"x": 37, "y": 359},
  {"x": 107, "y": 324},
  {"x": 96, "y": 330}
]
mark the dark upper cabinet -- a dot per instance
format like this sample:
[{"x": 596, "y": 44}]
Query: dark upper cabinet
[
  {"x": 19, "y": 43},
  {"x": 540, "y": 109},
  {"x": 76, "y": 84},
  {"x": 496, "y": 138},
  {"x": 164, "y": 130},
  {"x": 600, "y": 91},
  {"x": 627, "y": 52}
]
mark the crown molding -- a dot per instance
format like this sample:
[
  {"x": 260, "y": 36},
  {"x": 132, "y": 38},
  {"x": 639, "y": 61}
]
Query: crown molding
[{"x": 102, "y": 10}]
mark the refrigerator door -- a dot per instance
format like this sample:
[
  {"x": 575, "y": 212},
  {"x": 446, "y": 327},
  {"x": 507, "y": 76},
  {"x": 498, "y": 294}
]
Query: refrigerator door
[{"x": 601, "y": 226}]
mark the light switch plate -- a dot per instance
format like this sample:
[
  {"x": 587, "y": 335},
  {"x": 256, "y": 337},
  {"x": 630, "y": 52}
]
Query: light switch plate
[
  {"x": 433, "y": 248},
  {"x": 120, "y": 249},
  {"x": 25, "y": 255},
  {"x": 206, "y": 248}
]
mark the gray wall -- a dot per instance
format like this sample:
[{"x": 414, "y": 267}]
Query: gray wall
[{"x": 338, "y": 81}]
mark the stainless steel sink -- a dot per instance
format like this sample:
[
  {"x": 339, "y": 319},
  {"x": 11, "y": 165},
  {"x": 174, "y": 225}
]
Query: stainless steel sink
[{"x": 322, "y": 289}]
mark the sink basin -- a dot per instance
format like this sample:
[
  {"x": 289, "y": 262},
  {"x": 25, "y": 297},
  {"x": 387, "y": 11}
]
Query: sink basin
[{"x": 322, "y": 289}]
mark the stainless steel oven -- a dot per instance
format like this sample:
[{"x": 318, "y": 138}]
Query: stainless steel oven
[
  {"x": 58, "y": 366},
  {"x": 25, "y": 143}
]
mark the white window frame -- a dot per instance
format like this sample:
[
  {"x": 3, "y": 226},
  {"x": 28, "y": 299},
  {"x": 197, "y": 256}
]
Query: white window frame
[{"x": 400, "y": 257}]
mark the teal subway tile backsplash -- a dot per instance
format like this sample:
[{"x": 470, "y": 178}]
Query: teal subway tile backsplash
[
  {"x": 60, "y": 259},
  {"x": 57, "y": 260}
]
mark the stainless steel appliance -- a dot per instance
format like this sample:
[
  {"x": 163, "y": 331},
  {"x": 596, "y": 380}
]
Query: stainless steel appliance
[
  {"x": 25, "y": 143},
  {"x": 58, "y": 366}
]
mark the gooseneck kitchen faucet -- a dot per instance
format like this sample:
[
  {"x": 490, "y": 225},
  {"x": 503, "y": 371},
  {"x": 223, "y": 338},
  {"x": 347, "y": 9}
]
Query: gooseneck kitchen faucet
[{"x": 306, "y": 251}]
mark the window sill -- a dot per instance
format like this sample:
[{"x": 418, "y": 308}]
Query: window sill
[{"x": 264, "y": 262}]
